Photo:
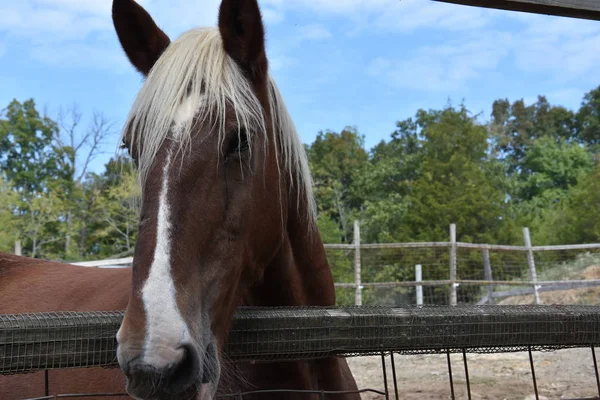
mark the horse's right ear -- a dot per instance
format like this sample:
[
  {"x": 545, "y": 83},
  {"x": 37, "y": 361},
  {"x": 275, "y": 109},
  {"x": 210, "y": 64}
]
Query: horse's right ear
[{"x": 142, "y": 40}]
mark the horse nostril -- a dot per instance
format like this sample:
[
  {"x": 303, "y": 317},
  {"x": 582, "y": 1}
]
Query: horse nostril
[
  {"x": 146, "y": 381},
  {"x": 184, "y": 374}
]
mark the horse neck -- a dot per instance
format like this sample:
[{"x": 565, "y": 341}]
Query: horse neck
[{"x": 299, "y": 274}]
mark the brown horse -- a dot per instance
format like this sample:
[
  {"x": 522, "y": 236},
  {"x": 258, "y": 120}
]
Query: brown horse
[
  {"x": 227, "y": 217},
  {"x": 227, "y": 213},
  {"x": 30, "y": 285}
]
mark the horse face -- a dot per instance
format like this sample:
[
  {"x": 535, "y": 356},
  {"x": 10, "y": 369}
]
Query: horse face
[{"x": 212, "y": 214}]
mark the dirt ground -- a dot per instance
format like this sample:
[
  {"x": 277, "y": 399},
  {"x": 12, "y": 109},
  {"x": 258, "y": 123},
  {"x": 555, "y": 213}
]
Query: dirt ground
[
  {"x": 588, "y": 296},
  {"x": 562, "y": 374}
]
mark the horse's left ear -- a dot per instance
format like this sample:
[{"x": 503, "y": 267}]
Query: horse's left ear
[{"x": 243, "y": 34}]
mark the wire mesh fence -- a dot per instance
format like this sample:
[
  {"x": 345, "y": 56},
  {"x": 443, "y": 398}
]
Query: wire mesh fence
[
  {"x": 34, "y": 342},
  {"x": 466, "y": 273},
  {"x": 388, "y": 276},
  {"x": 453, "y": 272}
]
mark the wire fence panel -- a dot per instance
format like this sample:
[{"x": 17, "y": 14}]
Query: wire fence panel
[
  {"x": 457, "y": 272},
  {"x": 341, "y": 262},
  {"x": 32, "y": 342},
  {"x": 381, "y": 265}
]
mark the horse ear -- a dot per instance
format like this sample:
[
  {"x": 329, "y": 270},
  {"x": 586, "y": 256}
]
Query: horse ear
[
  {"x": 141, "y": 39},
  {"x": 243, "y": 34}
]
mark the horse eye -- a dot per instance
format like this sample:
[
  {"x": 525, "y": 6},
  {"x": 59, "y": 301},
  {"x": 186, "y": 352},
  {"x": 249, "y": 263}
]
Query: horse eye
[{"x": 239, "y": 142}]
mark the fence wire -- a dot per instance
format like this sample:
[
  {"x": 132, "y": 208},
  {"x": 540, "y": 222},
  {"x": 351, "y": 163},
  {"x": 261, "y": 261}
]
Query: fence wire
[
  {"x": 465, "y": 376},
  {"x": 388, "y": 278},
  {"x": 485, "y": 274},
  {"x": 33, "y": 342}
]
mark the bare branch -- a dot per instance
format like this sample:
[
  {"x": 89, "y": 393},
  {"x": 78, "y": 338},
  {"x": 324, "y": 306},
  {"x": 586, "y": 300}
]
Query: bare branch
[
  {"x": 99, "y": 130},
  {"x": 113, "y": 224},
  {"x": 68, "y": 121},
  {"x": 54, "y": 239}
]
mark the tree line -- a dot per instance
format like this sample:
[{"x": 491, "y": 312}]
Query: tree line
[{"x": 532, "y": 165}]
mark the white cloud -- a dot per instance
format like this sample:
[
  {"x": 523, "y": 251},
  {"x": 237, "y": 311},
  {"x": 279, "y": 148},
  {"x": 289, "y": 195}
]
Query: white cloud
[
  {"x": 178, "y": 16},
  {"x": 42, "y": 23},
  {"x": 561, "y": 48},
  {"x": 564, "y": 48},
  {"x": 569, "y": 97},
  {"x": 97, "y": 7},
  {"x": 80, "y": 32},
  {"x": 392, "y": 15},
  {"x": 335, "y": 7},
  {"x": 444, "y": 67},
  {"x": 73, "y": 55},
  {"x": 278, "y": 62},
  {"x": 564, "y": 59},
  {"x": 410, "y": 15},
  {"x": 313, "y": 32},
  {"x": 272, "y": 15},
  {"x": 557, "y": 49},
  {"x": 54, "y": 27}
]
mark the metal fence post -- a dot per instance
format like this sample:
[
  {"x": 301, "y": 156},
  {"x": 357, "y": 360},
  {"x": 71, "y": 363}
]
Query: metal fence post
[
  {"x": 357, "y": 267},
  {"x": 531, "y": 263},
  {"x": 453, "y": 297},
  {"x": 419, "y": 278},
  {"x": 487, "y": 274},
  {"x": 18, "y": 250}
]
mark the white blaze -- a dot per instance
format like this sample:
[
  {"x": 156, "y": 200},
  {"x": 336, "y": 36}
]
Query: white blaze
[
  {"x": 165, "y": 328},
  {"x": 185, "y": 113}
]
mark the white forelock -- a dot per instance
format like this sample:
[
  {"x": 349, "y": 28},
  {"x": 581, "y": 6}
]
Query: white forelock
[{"x": 196, "y": 77}]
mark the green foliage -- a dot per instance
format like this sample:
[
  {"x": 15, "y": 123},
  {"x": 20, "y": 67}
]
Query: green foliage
[
  {"x": 588, "y": 119},
  {"x": 53, "y": 212},
  {"x": 530, "y": 165},
  {"x": 119, "y": 209},
  {"x": 575, "y": 219},
  {"x": 337, "y": 160},
  {"x": 515, "y": 127},
  {"x": 455, "y": 185},
  {"x": 31, "y": 163},
  {"x": 435, "y": 170},
  {"x": 27, "y": 155},
  {"x": 552, "y": 164},
  {"x": 8, "y": 200}
]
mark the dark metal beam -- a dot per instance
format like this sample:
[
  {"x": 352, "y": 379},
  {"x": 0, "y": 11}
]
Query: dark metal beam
[{"x": 583, "y": 9}]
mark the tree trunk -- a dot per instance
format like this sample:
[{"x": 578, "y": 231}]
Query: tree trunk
[
  {"x": 34, "y": 246},
  {"x": 68, "y": 234}
]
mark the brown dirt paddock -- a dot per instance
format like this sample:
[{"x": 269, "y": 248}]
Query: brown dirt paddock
[{"x": 561, "y": 374}]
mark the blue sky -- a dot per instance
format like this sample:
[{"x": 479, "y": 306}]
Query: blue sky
[{"x": 367, "y": 63}]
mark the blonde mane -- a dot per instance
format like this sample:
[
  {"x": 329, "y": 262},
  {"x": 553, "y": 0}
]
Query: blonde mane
[{"x": 197, "y": 66}]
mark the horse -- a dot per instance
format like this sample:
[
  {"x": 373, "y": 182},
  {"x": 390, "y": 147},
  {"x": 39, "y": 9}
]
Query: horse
[
  {"x": 227, "y": 220},
  {"x": 227, "y": 212},
  {"x": 29, "y": 285}
]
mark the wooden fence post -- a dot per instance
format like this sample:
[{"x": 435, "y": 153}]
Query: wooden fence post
[
  {"x": 487, "y": 273},
  {"x": 453, "y": 297},
  {"x": 357, "y": 266},
  {"x": 18, "y": 250},
  {"x": 419, "y": 278},
  {"x": 531, "y": 263}
]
